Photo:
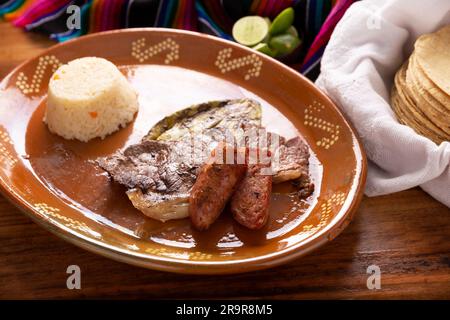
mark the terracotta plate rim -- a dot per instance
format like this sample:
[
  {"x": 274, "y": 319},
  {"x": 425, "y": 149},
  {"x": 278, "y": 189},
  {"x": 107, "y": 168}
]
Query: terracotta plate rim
[{"x": 333, "y": 228}]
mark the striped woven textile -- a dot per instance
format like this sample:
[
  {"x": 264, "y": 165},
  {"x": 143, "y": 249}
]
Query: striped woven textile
[{"x": 315, "y": 19}]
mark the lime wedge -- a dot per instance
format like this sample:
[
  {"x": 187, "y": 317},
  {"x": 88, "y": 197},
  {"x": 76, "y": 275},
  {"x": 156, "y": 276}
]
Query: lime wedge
[
  {"x": 284, "y": 43},
  {"x": 282, "y": 22},
  {"x": 250, "y": 30},
  {"x": 267, "y": 37},
  {"x": 264, "y": 48},
  {"x": 292, "y": 31}
]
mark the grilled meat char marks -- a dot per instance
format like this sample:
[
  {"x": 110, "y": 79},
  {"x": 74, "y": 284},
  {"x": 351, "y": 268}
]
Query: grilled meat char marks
[
  {"x": 159, "y": 176},
  {"x": 139, "y": 165},
  {"x": 152, "y": 165}
]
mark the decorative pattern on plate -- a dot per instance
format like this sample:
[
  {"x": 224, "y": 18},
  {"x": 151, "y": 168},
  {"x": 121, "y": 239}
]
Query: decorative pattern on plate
[
  {"x": 53, "y": 212},
  {"x": 334, "y": 202},
  {"x": 226, "y": 64},
  {"x": 6, "y": 156},
  {"x": 4, "y": 137},
  {"x": 141, "y": 54},
  {"x": 156, "y": 251},
  {"x": 34, "y": 86},
  {"x": 312, "y": 120},
  {"x": 197, "y": 256}
]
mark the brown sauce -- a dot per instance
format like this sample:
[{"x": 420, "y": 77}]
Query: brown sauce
[{"x": 69, "y": 170}]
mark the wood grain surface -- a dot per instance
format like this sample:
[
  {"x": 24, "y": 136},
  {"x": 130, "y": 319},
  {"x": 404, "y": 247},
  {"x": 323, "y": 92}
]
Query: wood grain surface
[{"x": 406, "y": 234}]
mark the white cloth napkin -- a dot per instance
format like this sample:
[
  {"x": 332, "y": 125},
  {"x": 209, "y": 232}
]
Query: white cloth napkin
[{"x": 367, "y": 47}]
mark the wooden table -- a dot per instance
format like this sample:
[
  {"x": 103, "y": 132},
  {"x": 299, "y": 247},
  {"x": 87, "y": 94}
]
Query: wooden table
[{"x": 406, "y": 234}]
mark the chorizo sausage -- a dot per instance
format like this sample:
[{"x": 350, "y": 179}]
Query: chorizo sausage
[
  {"x": 250, "y": 202},
  {"x": 215, "y": 184}
]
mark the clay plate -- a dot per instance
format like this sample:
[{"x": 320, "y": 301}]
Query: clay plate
[{"x": 56, "y": 183}]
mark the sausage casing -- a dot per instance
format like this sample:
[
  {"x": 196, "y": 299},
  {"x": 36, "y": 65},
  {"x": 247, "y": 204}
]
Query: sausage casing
[
  {"x": 250, "y": 202},
  {"x": 215, "y": 184}
]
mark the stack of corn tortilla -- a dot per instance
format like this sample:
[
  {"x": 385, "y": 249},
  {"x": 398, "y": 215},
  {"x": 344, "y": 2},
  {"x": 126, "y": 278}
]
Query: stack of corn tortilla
[{"x": 421, "y": 93}]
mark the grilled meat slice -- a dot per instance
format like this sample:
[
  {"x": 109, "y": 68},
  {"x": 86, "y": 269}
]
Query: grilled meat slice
[
  {"x": 139, "y": 165},
  {"x": 291, "y": 161},
  {"x": 159, "y": 176}
]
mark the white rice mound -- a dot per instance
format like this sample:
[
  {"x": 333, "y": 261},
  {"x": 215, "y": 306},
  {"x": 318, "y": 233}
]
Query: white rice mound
[{"x": 88, "y": 98}]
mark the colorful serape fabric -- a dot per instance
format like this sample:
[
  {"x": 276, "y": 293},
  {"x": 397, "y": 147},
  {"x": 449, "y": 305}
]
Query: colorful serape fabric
[
  {"x": 315, "y": 19},
  {"x": 312, "y": 60}
]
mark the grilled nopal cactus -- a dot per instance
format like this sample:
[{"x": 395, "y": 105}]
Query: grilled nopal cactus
[{"x": 225, "y": 114}]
